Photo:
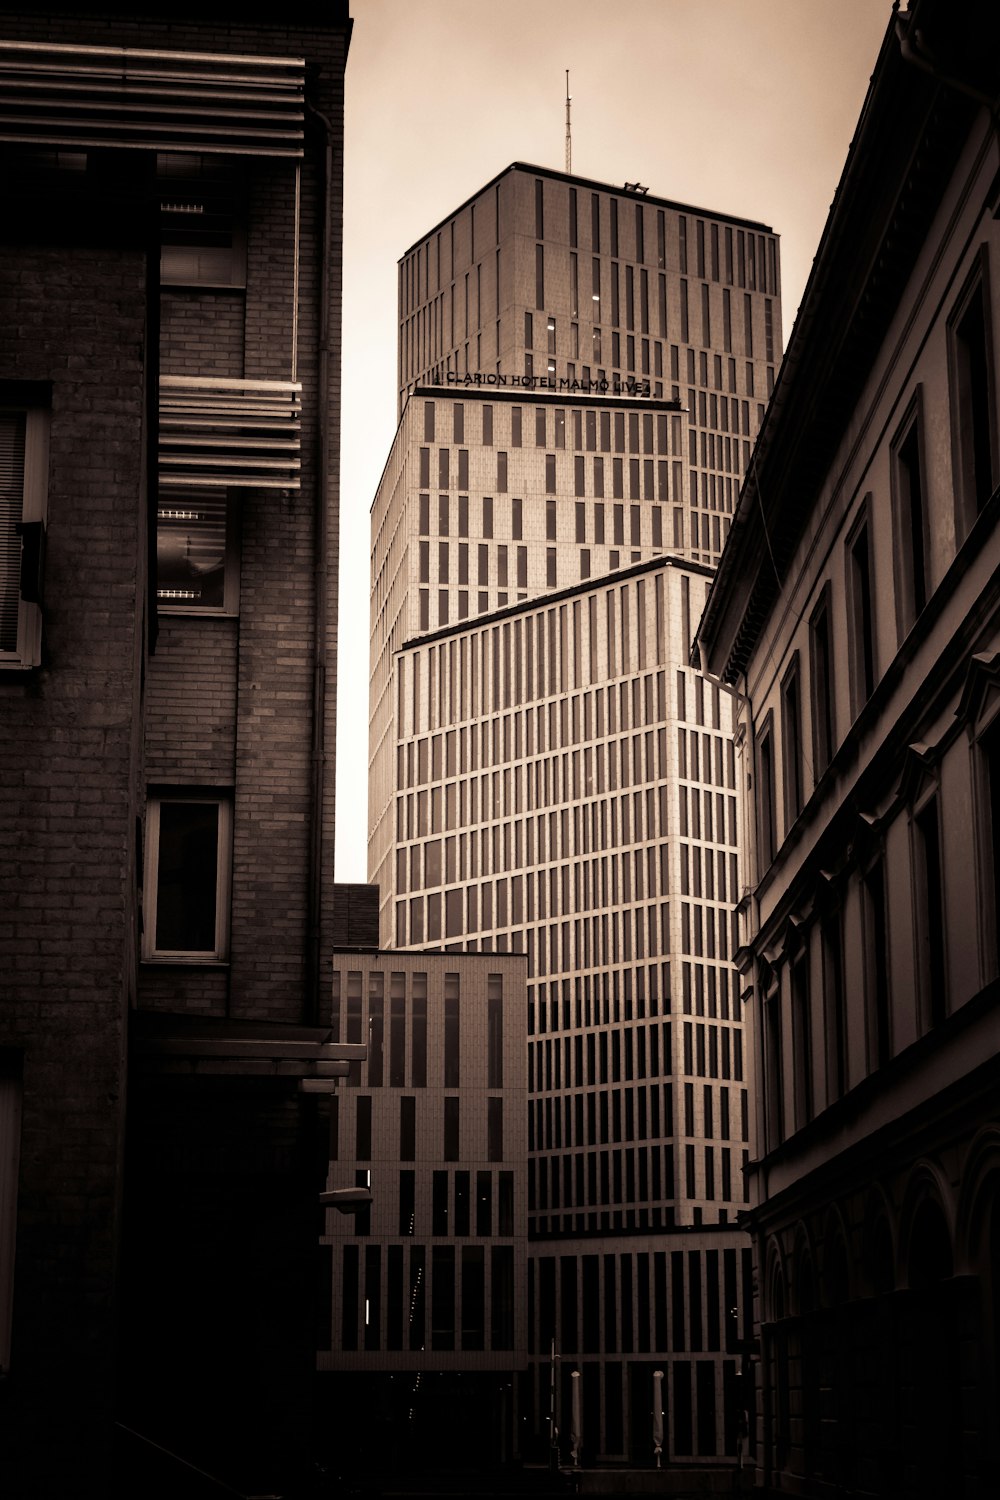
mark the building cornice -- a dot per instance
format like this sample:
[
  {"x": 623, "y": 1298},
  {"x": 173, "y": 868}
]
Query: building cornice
[{"x": 910, "y": 133}]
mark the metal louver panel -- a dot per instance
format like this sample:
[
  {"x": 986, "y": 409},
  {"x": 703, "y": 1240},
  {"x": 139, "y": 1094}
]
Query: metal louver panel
[
  {"x": 229, "y": 432},
  {"x": 199, "y": 102}
]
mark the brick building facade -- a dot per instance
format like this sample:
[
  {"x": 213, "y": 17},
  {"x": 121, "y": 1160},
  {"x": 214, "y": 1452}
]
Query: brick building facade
[{"x": 170, "y": 278}]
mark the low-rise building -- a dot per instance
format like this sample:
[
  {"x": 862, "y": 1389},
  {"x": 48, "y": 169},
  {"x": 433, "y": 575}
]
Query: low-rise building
[{"x": 426, "y": 1329}]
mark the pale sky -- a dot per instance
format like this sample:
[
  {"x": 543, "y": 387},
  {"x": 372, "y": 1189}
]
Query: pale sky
[{"x": 744, "y": 107}]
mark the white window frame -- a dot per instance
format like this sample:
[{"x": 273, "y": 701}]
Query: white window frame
[
  {"x": 219, "y": 953},
  {"x": 28, "y": 651}
]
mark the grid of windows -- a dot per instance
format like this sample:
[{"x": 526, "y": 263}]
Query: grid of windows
[
  {"x": 434, "y": 1270},
  {"x": 564, "y": 787},
  {"x": 653, "y": 317},
  {"x": 556, "y": 778},
  {"x": 680, "y": 1304}
]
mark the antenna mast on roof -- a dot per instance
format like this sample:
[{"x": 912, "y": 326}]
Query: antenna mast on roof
[{"x": 569, "y": 139}]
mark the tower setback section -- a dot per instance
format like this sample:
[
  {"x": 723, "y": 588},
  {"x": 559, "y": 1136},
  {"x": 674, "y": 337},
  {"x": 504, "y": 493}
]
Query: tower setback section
[{"x": 582, "y": 370}]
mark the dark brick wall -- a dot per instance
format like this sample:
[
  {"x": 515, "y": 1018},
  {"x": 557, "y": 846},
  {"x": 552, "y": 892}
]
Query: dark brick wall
[
  {"x": 70, "y": 742},
  {"x": 355, "y": 916},
  {"x": 227, "y": 702},
  {"x": 201, "y": 333}
]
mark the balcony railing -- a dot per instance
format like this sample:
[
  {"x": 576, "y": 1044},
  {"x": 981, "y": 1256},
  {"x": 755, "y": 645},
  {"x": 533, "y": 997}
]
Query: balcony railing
[
  {"x": 201, "y": 102},
  {"x": 229, "y": 432}
]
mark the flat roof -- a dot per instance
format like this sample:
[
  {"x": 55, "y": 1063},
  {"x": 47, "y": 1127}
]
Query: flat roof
[
  {"x": 592, "y": 184},
  {"x": 585, "y": 586}
]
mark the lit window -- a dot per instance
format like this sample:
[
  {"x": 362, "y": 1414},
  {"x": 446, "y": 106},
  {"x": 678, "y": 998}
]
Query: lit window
[
  {"x": 23, "y": 477},
  {"x": 196, "y": 562},
  {"x": 186, "y": 892}
]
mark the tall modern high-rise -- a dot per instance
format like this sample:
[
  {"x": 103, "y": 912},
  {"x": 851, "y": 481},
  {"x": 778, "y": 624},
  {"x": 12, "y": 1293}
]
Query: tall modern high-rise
[{"x": 582, "y": 370}]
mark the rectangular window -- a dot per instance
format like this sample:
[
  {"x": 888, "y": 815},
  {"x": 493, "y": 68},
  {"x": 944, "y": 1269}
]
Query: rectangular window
[
  {"x": 876, "y": 953},
  {"x": 494, "y": 1032},
  {"x": 910, "y": 521},
  {"x": 451, "y": 1034},
  {"x": 484, "y": 1204},
  {"x": 860, "y": 613},
  {"x": 773, "y": 1072},
  {"x": 196, "y": 556},
  {"x": 802, "y": 1038},
  {"x": 363, "y": 1128},
  {"x": 974, "y": 437},
  {"x": 418, "y": 1034},
  {"x": 550, "y": 473},
  {"x": 473, "y": 1297},
  {"x": 791, "y": 736},
  {"x": 443, "y": 1297},
  {"x": 439, "y": 1203},
  {"x": 23, "y": 483},
  {"x": 502, "y": 1300},
  {"x": 928, "y": 893},
  {"x": 821, "y": 665},
  {"x": 501, "y": 473},
  {"x": 202, "y": 211},
  {"x": 767, "y": 830},
  {"x": 835, "y": 1006},
  {"x": 186, "y": 890},
  {"x": 539, "y": 277},
  {"x": 407, "y": 1203}
]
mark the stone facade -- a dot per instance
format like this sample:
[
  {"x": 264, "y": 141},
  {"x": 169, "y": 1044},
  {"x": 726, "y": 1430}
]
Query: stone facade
[{"x": 865, "y": 657}]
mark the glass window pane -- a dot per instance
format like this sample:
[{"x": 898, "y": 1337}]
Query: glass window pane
[
  {"x": 186, "y": 887},
  {"x": 191, "y": 551}
]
